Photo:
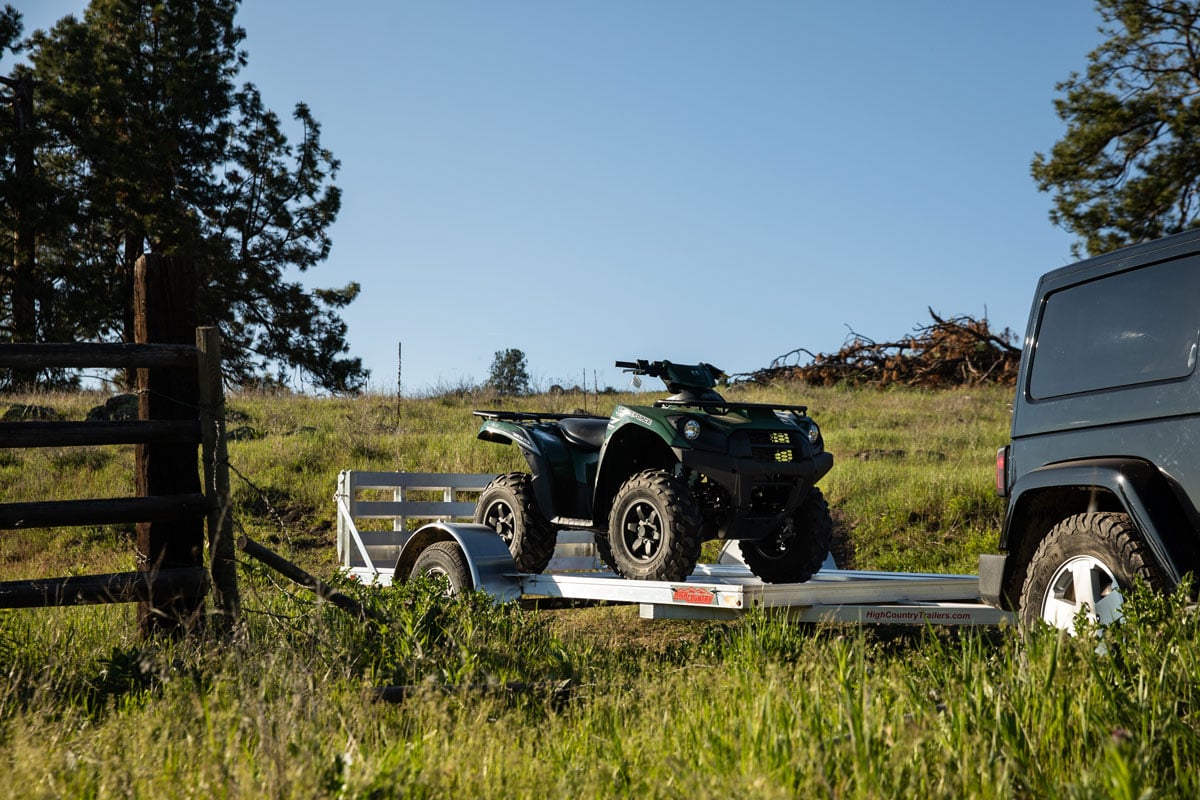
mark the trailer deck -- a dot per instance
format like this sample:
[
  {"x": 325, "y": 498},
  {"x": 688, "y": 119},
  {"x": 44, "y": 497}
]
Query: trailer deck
[{"x": 714, "y": 591}]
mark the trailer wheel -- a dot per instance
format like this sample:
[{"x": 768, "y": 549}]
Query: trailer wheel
[
  {"x": 654, "y": 529},
  {"x": 795, "y": 552},
  {"x": 508, "y": 506},
  {"x": 1085, "y": 564},
  {"x": 445, "y": 561}
]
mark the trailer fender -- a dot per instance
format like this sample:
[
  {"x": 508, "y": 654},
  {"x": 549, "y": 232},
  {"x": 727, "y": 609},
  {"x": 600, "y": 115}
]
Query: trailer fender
[{"x": 492, "y": 568}]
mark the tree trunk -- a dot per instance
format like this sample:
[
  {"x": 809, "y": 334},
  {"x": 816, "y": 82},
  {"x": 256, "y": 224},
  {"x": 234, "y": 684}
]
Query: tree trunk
[{"x": 25, "y": 279}]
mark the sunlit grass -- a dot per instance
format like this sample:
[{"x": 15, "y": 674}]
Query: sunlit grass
[
  {"x": 594, "y": 702},
  {"x": 759, "y": 707}
]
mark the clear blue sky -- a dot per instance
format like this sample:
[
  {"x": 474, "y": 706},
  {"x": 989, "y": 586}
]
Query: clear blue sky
[{"x": 699, "y": 180}]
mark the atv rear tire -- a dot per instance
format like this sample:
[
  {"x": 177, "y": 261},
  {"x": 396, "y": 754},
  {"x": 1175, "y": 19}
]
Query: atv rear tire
[
  {"x": 795, "y": 552},
  {"x": 654, "y": 528},
  {"x": 508, "y": 506}
]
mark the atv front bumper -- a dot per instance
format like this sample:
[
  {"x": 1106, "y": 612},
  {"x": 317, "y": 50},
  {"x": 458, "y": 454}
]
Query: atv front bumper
[{"x": 744, "y": 478}]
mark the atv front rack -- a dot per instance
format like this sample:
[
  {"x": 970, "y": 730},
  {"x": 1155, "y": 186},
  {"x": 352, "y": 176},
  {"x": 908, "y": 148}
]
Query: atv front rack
[{"x": 725, "y": 406}]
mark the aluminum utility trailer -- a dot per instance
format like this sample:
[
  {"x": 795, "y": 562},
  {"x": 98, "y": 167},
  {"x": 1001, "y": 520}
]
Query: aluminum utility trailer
[{"x": 376, "y": 552}]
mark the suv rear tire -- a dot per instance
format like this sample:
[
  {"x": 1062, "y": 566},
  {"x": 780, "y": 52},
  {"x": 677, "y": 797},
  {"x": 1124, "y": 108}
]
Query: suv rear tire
[{"x": 1085, "y": 564}]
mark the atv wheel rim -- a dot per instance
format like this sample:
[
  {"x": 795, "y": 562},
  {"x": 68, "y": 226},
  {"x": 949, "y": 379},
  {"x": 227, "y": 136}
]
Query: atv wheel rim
[
  {"x": 643, "y": 531},
  {"x": 500, "y": 518},
  {"x": 1082, "y": 584},
  {"x": 779, "y": 544}
]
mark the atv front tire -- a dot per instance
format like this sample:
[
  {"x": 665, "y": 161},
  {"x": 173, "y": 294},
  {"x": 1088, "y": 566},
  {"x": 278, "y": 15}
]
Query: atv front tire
[
  {"x": 654, "y": 528},
  {"x": 508, "y": 506},
  {"x": 795, "y": 552}
]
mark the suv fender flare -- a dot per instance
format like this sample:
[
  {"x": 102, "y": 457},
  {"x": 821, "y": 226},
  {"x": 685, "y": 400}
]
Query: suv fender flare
[{"x": 1138, "y": 487}]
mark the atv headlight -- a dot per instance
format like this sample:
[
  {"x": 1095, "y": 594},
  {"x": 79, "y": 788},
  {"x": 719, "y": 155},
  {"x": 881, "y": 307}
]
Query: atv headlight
[
  {"x": 814, "y": 434},
  {"x": 691, "y": 430}
]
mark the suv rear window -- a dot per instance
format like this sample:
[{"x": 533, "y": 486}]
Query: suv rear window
[{"x": 1124, "y": 329}]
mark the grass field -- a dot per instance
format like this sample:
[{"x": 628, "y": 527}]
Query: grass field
[{"x": 591, "y": 702}]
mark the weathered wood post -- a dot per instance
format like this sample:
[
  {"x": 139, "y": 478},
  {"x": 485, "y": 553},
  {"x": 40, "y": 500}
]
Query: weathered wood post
[
  {"x": 165, "y": 312},
  {"x": 222, "y": 557}
]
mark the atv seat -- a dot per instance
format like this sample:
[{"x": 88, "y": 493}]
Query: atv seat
[{"x": 584, "y": 432}]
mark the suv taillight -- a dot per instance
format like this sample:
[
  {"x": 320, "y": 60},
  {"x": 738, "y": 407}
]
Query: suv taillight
[{"x": 1002, "y": 471}]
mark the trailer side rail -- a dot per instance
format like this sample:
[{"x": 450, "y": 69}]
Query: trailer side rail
[{"x": 372, "y": 552}]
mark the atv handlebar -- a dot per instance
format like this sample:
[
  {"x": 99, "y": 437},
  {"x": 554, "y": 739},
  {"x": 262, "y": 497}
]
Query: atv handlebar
[
  {"x": 655, "y": 369},
  {"x": 662, "y": 369}
]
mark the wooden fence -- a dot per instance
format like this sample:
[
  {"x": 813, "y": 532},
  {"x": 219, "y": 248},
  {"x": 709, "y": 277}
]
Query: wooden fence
[{"x": 181, "y": 409}]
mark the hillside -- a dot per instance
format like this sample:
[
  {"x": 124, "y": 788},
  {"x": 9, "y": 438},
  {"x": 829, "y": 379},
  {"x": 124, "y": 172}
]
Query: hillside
[
  {"x": 500, "y": 701},
  {"x": 911, "y": 487}
]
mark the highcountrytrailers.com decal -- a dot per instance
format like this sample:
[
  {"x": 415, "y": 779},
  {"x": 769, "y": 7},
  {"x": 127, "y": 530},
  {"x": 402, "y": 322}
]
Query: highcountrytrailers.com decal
[{"x": 915, "y": 615}]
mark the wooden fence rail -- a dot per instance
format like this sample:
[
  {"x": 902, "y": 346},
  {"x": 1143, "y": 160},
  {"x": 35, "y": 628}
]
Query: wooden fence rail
[
  {"x": 97, "y": 356},
  {"x": 120, "y": 587},
  {"x": 181, "y": 414}
]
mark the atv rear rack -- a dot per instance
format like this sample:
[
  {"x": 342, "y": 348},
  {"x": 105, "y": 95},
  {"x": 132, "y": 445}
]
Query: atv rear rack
[{"x": 531, "y": 416}]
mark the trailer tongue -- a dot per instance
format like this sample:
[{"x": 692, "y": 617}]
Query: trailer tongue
[{"x": 472, "y": 556}]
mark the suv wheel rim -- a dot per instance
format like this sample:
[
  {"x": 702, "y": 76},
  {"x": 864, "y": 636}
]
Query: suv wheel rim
[
  {"x": 643, "y": 530},
  {"x": 1082, "y": 584}
]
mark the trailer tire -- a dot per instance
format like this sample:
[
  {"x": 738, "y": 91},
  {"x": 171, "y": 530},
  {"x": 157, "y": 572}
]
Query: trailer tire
[
  {"x": 796, "y": 552},
  {"x": 508, "y": 506},
  {"x": 654, "y": 528},
  {"x": 1103, "y": 547},
  {"x": 445, "y": 560}
]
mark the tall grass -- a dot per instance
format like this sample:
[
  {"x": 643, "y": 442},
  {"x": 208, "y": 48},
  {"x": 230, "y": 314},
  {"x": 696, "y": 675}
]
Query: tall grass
[
  {"x": 758, "y": 708},
  {"x": 591, "y": 702}
]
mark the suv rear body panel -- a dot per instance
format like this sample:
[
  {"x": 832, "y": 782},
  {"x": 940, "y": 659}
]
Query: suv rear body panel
[{"x": 1106, "y": 414}]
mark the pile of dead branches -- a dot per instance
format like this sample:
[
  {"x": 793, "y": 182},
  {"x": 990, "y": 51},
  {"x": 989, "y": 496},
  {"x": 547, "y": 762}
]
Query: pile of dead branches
[{"x": 960, "y": 351}]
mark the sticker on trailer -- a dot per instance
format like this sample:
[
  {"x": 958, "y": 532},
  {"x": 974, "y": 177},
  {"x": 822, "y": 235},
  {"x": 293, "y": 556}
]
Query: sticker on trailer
[{"x": 693, "y": 595}]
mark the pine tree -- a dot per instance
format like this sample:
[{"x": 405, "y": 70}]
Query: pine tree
[
  {"x": 151, "y": 146},
  {"x": 1128, "y": 167}
]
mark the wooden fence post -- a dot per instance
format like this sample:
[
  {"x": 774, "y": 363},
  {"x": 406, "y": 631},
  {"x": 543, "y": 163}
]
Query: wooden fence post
[
  {"x": 221, "y": 554},
  {"x": 165, "y": 312}
]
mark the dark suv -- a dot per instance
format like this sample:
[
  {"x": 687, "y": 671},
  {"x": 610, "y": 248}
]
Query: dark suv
[{"x": 1102, "y": 474}]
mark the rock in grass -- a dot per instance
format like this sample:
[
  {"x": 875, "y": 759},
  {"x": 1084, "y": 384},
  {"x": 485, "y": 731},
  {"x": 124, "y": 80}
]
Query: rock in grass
[
  {"x": 120, "y": 407},
  {"x": 19, "y": 412}
]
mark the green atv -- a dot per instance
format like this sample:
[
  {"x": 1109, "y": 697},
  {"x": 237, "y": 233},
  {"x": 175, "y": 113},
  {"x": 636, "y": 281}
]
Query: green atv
[{"x": 653, "y": 482}]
